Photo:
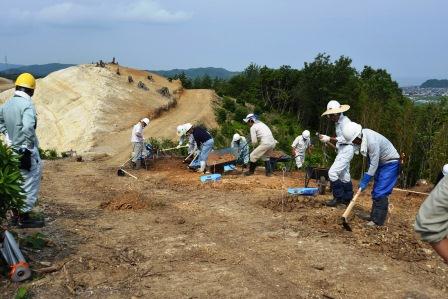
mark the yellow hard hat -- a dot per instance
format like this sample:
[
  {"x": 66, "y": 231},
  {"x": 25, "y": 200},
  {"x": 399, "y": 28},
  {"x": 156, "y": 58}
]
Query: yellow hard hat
[{"x": 26, "y": 80}]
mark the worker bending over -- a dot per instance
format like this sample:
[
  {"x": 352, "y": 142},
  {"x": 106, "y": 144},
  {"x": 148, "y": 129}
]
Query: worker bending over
[
  {"x": 138, "y": 143},
  {"x": 432, "y": 219},
  {"x": 18, "y": 122},
  {"x": 384, "y": 166},
  {"x": 339, "y": 172},
  {"x": 260, "y": 134},
  {"x": 242, "y": 149},
  {"x": 204, "y": 142},
  {"x": 300, "y": 146}
]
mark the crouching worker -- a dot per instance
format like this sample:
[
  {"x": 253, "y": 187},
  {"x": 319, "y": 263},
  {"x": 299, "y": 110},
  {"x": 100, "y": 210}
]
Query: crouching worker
[
  {"x": 193, "y": 151},
  {"x": 384, "y": 167},
  {"x": 204, "y": 142},
  {"x": 300, "y": 146},
  {"x": 18, "y": 122},
  {"x": 242, "y": 149},
  {"x": 432, "y": 219},
  {"x": 339, "y": 172},
  {"x": 138, "y": 143},
  {"x": 260, "y": 133}
]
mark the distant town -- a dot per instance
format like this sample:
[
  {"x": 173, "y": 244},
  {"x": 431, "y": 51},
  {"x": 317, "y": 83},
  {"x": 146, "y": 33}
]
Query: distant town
[{"x": 430, "y": 90}]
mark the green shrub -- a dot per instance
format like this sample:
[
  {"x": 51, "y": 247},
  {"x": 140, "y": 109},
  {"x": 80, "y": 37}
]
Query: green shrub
[
  {"x": 221, "y": 115},
  {"x": 228, "y": 104},
  {"x": 11, "y": 192}
]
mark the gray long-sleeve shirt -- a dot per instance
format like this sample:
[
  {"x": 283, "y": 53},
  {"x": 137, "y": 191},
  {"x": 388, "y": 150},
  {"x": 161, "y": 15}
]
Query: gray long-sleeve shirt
[
  {"x": 18, "y": 119},
  {"x": 379, "y": 149}
]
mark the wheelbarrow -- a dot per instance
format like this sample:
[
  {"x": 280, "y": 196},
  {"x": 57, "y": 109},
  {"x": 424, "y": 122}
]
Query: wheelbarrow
[
  {"x": 320, "y": 175},
  {"x": 219, "y": 159}
]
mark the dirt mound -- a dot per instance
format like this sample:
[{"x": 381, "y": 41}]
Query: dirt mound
[
  {"x": 131, "y": 200},
  {"x": 5, "y": 84},
  {"x": 92, "y": 109}
]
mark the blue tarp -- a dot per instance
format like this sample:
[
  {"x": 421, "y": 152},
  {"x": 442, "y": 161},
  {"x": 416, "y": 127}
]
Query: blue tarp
[{"x": 303, "y": 191}]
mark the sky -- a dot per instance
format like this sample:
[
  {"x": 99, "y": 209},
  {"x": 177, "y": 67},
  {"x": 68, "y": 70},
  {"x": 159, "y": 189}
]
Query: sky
[{"x": 409, "y": 38}]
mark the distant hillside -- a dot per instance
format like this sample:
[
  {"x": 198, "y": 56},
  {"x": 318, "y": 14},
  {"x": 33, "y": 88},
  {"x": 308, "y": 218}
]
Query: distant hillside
[
  {"x": 4, "y": 66},
  {"x": 38, "y": 70},
  {"x": 434, "y": 83},
  {"x": 193, "y": 73}
]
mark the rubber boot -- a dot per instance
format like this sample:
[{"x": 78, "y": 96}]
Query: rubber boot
[
  {"x": 348, "y": 193},
  {"x": 268, "y": 168},
  {"x": 251, "y": 170},
  {"x": 138, "y": 164},
  {"x": 27, "y": 221},
  {"x": 379, "y": 210},
  {"x": 338, "y": 193},
  {"x": 202, "y": 167}
]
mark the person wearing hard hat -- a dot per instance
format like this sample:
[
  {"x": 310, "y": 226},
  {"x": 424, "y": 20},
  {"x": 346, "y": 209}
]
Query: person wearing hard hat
[
  {"x": 384, "y": 167},
  {"x": 300, "y": 146},
  {"x": 242, "y": 148},
  {"x": 339, "y": 172},
  {"x": 204, "y": 142},
  {"x": 443, "y": 173},
  {"x": 260, "y": 134},
  {"x": 431, "y": 221},
  {"x": 19, "y": 121},
  {"x": 138, "y": 143}
]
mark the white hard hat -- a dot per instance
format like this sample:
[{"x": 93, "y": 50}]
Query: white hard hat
[
  {"x": 306, "y": 134},
  {"x": 236, "y": 137},
  {"x": 250, "y": 116},
  {"x": 145, "y": 120},
  {"x": 183, "y": 129},
  {"x": 445, "y": 169},
  {"x": 351, "y": 130},
  {"x": 334, "y": 107}
]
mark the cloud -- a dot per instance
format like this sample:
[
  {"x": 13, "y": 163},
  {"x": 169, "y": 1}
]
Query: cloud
[{"x": 101, "y": 13}]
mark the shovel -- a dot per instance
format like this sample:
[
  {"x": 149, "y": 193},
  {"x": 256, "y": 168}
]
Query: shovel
[
  {"x": 122, "y": 172},
  {"x": 173, "y": 148},
  {"x": 348, "y": 210}
]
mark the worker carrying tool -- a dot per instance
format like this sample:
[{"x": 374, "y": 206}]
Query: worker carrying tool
[
  {"x": 384, "y": 167},
  {"x": 339, "y": 172},
  {"x": 443, "y": 173},
  {"x": 204, "y": 141},
  {"x": 300, "y": 146},
  {"x": 138, "y": 143},
  {"x": 432, "y": 219},
  {"x": 242, "y": 149},
  {"x": 18, "y": 120},
  {"x": 260, "y": 134}
]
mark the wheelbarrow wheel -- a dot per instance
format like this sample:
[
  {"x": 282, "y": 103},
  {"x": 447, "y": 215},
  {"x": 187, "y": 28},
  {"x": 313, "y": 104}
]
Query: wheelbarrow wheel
[{"x": 322, "y": 185}]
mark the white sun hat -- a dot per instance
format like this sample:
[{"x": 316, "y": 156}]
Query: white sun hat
[{"x": 334, "y": 107}]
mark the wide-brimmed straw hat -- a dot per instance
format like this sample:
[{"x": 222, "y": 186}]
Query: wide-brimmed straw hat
[{"x": 334, "y": 107}]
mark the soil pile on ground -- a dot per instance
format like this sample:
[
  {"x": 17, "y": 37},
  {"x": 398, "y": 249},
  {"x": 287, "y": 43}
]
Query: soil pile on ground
[
  {"x": 131, "y": 200},
  {"x": 5, "y": 84},
  {"x": 92, "y": 109}
]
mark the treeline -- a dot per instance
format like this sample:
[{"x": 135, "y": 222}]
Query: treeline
[{"x": 294, "y": 99}]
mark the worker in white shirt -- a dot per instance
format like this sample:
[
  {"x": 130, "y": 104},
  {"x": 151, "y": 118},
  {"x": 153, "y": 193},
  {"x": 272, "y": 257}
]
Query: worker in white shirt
[
  {"x": 242, "y": 149},
  {"x": 339, "y": 172},
  {"x": 300, "y": 146},
  {"x": 260, "y": 134},
  {"x": 384, "y": 167},
  {"x": 138, "y": 142}
]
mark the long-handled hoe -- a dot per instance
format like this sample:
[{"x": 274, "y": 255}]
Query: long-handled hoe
[{"x": 348, "y": 210}]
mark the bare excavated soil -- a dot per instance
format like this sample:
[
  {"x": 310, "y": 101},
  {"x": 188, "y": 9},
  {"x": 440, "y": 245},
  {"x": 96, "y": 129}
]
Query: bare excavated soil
[{"x": 166, "y": 235}]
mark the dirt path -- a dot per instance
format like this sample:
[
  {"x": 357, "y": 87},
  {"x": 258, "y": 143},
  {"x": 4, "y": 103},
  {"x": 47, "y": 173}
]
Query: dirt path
[{"x": 168, "y": 236}]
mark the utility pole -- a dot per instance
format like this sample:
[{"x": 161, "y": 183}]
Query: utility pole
[{"x": 6, "y": 59}]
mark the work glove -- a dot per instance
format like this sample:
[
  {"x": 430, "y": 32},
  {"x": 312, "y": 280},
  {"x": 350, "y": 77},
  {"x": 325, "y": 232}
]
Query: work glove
[
  {"x": 25, "y": 159},
  {"x": 365, "y": 181},
  {"x": 324, "y": 138}
]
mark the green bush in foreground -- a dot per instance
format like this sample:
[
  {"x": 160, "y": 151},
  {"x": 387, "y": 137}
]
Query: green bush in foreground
[{"x": 11, "y": 193}]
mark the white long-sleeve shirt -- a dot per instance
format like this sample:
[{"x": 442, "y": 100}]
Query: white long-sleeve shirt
[
  {"x": 259, "y": 131},
  {"x": 137, "y": 133},
  {"x": 343, "y": 120},
  {"x": 300, "y": 144},
  {"x": 379, "y": 149}
]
